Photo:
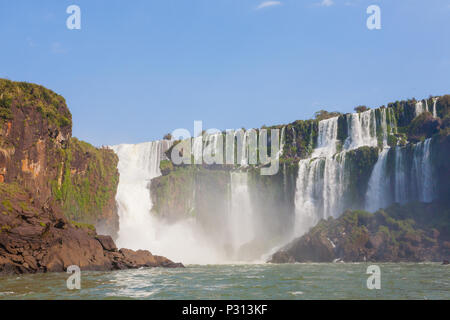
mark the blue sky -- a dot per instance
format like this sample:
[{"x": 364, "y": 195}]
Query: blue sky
[{"x": 139, "y": 69}]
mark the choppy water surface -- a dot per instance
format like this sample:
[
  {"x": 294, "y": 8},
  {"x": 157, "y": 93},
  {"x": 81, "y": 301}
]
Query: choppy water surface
[{"x": 263, "y": 281}]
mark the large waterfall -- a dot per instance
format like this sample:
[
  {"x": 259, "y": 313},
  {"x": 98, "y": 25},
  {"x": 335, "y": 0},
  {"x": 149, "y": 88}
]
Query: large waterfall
[
  {"x": 323, "y": 178},
  {"x": 244, "y": 217},
  {"x": 139, "y": 229},
  {"x": 241, "y": 220}
]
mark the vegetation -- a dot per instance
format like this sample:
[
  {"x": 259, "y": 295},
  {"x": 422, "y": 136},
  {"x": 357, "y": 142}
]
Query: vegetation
[
  {"x": 89, "y": 181},
  {"x": 323, "y": 114},
  {"x": 24, "y": 95},
  {"x": 360, "y": 109}
]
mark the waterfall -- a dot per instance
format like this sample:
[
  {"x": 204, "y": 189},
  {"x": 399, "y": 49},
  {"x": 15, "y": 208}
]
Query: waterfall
[
  {"x": 434, "y": 107},
  {"x": 294, "y": 138},
  {"x": 138, "y": 164},
  {"x": 241, "y": 221},
  {"x": 400, "y": 175},
  {"x": 377, "y": 196},
  {"x": 419, "y": 108},
  {"x": 322, "y": 179},
  {"x": 422, "y": 171},
  {"x": 362, "y": 129},
  {"x": 139, "y": 229},
  {"x": 411, "y": 175},
  {"x": 327, "y": 138}
]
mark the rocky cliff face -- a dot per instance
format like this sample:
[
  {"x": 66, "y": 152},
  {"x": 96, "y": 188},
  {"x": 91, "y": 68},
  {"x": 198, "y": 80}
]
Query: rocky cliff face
[
  {"x": 37, "y": 151},
  {"x": 54, "y": 189},
  {"x": 36, "y": 237}
]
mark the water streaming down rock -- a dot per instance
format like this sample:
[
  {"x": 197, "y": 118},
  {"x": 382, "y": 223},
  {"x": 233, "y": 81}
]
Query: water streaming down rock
[
  {"x": 241, "y": 220},
  {"x": 362, "y": 130},
  {"x": 320, "y": 179},
  {"x": 408, "y": 169},
  {"x": 138, "y": 164},
  {"x": 434, "y": 107},
  {"x": 379, "y": 184},
  {"x": 419, "y": 108},
  {"x": 324, "y": 178}
]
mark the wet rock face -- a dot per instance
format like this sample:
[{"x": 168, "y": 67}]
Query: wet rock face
[{"x": 35, "y": 238}]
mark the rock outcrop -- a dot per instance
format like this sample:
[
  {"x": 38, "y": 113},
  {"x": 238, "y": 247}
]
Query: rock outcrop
[
  {"x": 415, "y": 232},
  {"x": 35, "y": 237}
]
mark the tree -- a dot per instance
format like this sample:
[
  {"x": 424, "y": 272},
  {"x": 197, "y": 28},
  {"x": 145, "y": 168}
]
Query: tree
[
  {"x": 324, "y": 114},
  {"x": 360, "y": 109},
  {"x": 168, "y": 137}
]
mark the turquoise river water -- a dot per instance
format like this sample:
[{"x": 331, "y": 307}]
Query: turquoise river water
[{"x": 257, "y": 281}]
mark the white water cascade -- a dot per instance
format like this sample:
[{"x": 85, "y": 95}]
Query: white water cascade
[
  {"x": 434, "y": 107},
  {"x": 139, "y": 229},
  {"x": 323, "y": 178},
  {"x": 241, "y": 220},
  {"x": 410, "y": 174}
]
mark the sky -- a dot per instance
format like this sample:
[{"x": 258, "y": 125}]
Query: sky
[{"x": 139, "y": 69}]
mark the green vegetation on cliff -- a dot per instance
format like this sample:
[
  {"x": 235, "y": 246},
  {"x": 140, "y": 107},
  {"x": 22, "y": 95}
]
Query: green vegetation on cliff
[
  {"x": 26, "y": 95},
  {"x": 88, "y": 182}
]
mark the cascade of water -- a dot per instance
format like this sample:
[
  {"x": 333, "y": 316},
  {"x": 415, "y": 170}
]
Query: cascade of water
[
  {"x": 422, "y": 171},
  {"x": 321, "y": 183},
  {"x": 139, "y": 229},
  {"x": 412, "y": 177},
  {"x": 419, "y": 108},
  {"x": 241, "y": 224},
  {"x": 434, "y": 107},
  {"x": 392, "y": 121},
  {"x": 327, "y": 138},
  {"x": 323, "y": 179},
  {"x": 197, "y": 149},
  {"x": 400, "y": 175},
  {"x": 294, "y": 137},
  {"x": 138, "y": 164},
  {"x": 362, "y": 130},
  {"x": 384, "y": 127},
  {"x": 378, "y": 189}
]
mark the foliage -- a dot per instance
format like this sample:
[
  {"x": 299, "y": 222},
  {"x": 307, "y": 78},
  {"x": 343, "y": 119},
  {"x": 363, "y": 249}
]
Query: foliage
[
  {"x": 360, "y": 109},
  {"x": 89, "y": 181},
  {"x": 24, "y": 95},
  {"x": 323, "y": 114}
]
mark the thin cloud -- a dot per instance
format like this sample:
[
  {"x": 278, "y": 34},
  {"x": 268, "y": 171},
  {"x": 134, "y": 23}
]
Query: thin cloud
[
  {"x": 57, "y": 48},
  {"x": 326, "y": 3},
  {"x": 267, "y": 4}
]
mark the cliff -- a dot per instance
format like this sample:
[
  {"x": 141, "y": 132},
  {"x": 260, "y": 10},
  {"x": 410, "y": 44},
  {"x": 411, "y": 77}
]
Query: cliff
[
  {"x": 55, "y": 190},
  {"x": 37, "y": 152}
]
